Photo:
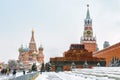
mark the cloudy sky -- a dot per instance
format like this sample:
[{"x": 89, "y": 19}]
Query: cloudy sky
[{"x": 57, "y": 24}]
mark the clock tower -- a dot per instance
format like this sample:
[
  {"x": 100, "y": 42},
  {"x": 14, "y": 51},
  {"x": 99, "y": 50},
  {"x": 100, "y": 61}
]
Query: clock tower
[{"x": 88, "y": 39}]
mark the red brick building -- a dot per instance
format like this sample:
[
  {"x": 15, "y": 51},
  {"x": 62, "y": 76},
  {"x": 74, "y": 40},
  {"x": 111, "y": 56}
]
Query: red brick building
[
  {"x": 88, "y": 39},
  {"x": 109, "y": 53},
  {"x": 78, "y": 55},
  {"x": 89, "y": 42},
  {"x": 81, "y": 53},
  {"x": 30, "y": 55}
]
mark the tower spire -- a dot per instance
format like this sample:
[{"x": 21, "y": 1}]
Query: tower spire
[
  {"x": 88, "y": 14},
  {"x": 32, "y": 38},
  {"x": 32, "y": 44},
  {"x": 88, "y": 20},
  {"x": 88, "y": 39}
]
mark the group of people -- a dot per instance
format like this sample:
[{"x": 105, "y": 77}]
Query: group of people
[{"x": 5, "y": 71}]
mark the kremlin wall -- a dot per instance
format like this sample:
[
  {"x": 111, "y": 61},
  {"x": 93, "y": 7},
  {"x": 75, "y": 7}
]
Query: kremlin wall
[{"x": 109, "y": 53}]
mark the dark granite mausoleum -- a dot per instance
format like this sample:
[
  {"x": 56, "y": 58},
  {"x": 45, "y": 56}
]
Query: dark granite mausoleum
[{"x": 78, "y": 56}]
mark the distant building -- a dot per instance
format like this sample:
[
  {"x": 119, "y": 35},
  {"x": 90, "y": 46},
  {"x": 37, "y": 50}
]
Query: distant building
[
  {"x": 1, "y": 65},
  {"x": 106, "y": 44},
  {"x": 30, "y": 55},
  {"x": 97, "y": 47}
]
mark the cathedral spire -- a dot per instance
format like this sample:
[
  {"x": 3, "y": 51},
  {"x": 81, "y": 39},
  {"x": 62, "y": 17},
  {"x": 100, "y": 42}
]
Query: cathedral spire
[
  {"x": 32, "y": 44},
  {"x": 32, "y": 38}
]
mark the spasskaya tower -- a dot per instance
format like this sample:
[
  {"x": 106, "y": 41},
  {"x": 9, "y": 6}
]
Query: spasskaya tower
[{"x": 88, "y": 39}]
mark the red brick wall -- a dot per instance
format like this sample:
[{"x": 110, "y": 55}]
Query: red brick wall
[
  {"x": 91, "y": 47},
  {"x": 66, "y": 68},
  {"x": 52, "y": 68},
  {"x": 109, "y": 53}
]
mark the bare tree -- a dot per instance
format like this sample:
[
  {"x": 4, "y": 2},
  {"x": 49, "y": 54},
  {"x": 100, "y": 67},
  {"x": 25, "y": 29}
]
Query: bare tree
[{"x": 12, "y": 64}]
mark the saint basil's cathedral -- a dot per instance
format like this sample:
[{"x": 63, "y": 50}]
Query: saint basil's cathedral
[{"x": 29, "y": 56}]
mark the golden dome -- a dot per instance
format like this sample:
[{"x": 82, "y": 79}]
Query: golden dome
[{"x": 32, "y": 30}]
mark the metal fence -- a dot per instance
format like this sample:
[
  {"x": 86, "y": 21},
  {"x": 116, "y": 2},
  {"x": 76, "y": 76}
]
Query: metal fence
[{"x": 28, "y": 76}]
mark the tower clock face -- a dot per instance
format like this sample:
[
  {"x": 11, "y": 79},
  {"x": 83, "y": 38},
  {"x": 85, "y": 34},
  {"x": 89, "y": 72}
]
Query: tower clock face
[{"x": 88, "y": 32}]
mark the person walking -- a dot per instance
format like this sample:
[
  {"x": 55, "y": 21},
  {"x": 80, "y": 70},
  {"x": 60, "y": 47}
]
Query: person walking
[
  {"x": 8, "y": 71},
  {"x": 14, "y": 72},
  {"x": 24, "y": 72}
]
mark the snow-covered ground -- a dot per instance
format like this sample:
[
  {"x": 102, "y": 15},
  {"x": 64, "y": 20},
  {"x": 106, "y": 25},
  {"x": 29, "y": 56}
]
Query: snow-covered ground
[
  {"x": 6, "y": 77},
  {"x": 96, "y": 73},
  {"x": 19, "y": 75}
]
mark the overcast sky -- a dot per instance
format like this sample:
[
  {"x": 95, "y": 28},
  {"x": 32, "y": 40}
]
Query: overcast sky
[{"x": 57, "y": 24}]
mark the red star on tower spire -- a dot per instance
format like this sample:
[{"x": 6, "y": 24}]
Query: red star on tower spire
[{"x": 87, "y": 5}]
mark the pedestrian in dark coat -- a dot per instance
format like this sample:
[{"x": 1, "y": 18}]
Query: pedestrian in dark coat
[
  {"x": 24, "y": 72},
  {"x": 14, "y": 72}
]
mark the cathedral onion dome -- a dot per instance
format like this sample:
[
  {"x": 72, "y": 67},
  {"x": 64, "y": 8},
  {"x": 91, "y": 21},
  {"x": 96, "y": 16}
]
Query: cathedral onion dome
[
  {"x": 26, "y": 49},
  {"x": 32, "y": 30},
  {"x": 40, "y": 48},
  {"x": 21, "y": 49},
  {"x": 34, "y": 53}
]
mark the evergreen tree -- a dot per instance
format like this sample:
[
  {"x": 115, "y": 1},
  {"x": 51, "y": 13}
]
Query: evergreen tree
[
  {"x": 48, "y": 66},
  {"x": 34, "y": 67},
  {"x": 42, "y": 68}
]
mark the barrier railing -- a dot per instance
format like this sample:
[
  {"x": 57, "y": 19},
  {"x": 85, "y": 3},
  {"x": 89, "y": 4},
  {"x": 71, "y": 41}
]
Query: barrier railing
[{"x": 28, "y": 76}]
